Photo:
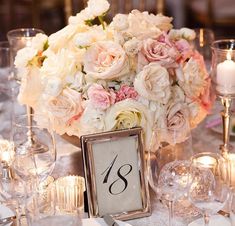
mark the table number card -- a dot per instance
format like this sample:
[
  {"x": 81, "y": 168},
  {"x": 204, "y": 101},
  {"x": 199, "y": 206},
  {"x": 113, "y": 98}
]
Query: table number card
[{"x": 115, "y": 174}]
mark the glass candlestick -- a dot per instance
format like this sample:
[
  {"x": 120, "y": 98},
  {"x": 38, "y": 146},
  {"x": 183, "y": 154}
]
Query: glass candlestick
[{"x": 223, "y": 78}]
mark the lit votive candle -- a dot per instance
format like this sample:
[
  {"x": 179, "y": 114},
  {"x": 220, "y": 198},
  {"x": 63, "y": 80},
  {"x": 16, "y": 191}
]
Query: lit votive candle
[
  {"x": 69, "y": 193},
  {"x": 206, "y": 161},
  {"x": 226, "y": 76}
]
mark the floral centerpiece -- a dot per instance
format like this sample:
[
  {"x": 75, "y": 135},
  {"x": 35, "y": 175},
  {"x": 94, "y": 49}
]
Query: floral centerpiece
[{"x": 136, "y": 71}]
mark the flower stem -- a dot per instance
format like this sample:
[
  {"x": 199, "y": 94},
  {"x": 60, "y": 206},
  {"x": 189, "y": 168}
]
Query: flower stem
[{"x": 100, "y": 18}]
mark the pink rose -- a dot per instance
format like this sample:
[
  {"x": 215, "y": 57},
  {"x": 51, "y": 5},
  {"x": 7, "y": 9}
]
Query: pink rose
[
  {"x": 101, "y": 98},
  {"x": 184, "y": 48},
  {"x": 126, "y": 92},
  {"x": 106, "y": 60},
  {"x": 159, "y": 50},
  {"x": 207, "y": 98}
]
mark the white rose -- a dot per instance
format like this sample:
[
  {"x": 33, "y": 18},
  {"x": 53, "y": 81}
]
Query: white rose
[
  {"x": 120, "y": 22},
  {"x": 81, "y": 17},
  {"x": 53, "y": 86},
  {"x": 62, "y": 38},
  {"x": 85, "y": 39},
  {"x": 128, "y": 114},
  {"x": 132, "y": 47},
  {"x": 92, "y": 121},
  {"x": 153, "y": 83},
  {"x": 31, "y": 87},
  {"x": 191, "y": 78},
  {"x": 174, "y": 34},
  {"x": 106, "y": 60},
  {"x": 144, "y": 25},
  {"x": 24, "y": 56},
  {"x": 187, "y": 33},
  {"x": 39, "y": 41},
  {"x": 65, "y": 106},
  {"x": 77, "y": 81},
  {"x": 98, "y": 7},
  {"x": 61, "y": 65}
]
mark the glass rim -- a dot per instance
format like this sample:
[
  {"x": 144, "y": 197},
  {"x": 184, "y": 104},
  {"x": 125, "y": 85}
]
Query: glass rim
[
  {"x": 217, "y": 156},
  {"x": 14, "y": 32},
  {"x": 213, "y": 45}
]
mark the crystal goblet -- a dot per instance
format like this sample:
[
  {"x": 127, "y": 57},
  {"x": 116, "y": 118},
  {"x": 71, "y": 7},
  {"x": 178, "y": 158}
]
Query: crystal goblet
[
  {"x": 173, "y": 183},
  {"x": 209, "y": 190}
]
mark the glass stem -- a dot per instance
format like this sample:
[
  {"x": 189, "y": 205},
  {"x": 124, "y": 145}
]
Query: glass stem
[
  {"x": 206, "y": 219},
  {"x": 29, "y": 115},
  {"x": 226, "y": 115},
  {"x": 171, "y": 212}
]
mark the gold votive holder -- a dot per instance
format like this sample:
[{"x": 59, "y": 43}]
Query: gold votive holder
[
  {"x": 230, "y": 157},
  {"x": 69, "y": 193}
]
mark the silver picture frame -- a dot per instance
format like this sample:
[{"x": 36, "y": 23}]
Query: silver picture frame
[{"x": 116, "y": 174}]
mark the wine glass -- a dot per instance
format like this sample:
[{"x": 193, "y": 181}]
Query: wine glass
[
  {"x": 35, "y": 149},
  {"x": 173, "y": 182},
  {"x": 167, "y": 145},
  {"x": 209, "y": 190},
  {"x": 5, "y": 91}
]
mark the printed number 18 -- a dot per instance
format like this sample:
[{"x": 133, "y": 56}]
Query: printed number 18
[{"x": 121, "y": 177}]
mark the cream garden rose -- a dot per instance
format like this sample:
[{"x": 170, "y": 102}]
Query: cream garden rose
[
  {"x": 192, "y": 78},
  {"x": 153, "y": 83},
  {"x": 106, "y": 60},
  {"x": 31, "y": 83},
  {"x": 128, "y": 114},
  {"x": 61, "y": 64},
  {"x": 65, "y": 107},
  {"x": 98, "y": 7}
]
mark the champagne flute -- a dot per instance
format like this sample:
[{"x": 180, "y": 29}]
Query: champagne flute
[{"x": 209, "y": 190}]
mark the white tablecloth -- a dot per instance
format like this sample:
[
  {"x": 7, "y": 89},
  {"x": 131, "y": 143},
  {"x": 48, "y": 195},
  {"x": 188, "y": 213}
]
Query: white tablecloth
[{"x": 69, "y": 162}]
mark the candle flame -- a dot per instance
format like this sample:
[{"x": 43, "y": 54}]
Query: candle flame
[
  {"x": 229, "y": 55},
  {"x": 6, "y": 151}
]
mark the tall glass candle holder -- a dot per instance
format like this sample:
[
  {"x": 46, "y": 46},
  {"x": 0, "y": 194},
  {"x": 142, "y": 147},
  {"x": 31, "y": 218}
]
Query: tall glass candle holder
[
  {"x": 18, "y": 39},
  {"x": 223, "y": 78}
]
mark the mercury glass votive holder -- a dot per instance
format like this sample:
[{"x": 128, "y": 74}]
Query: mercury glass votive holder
[{"x": 69, "y": 193}]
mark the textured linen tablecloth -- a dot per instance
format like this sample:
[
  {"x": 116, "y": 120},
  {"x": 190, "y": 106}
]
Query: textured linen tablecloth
[
  {"x": 70, "y": 162},
  {"x": 203, "y": 139}
]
